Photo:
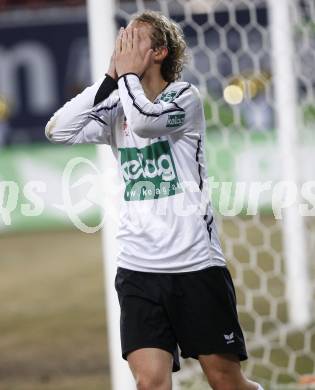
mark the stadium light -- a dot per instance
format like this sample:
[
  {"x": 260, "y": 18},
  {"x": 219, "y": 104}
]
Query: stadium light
[{"x": 233, "y": 94}]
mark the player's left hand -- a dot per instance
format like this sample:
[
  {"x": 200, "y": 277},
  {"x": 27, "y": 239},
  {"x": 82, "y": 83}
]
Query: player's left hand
[{"x": 129, "y": 57}]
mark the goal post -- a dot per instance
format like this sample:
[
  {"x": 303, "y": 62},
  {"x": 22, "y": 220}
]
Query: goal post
[
  {"x": 102, "y": 34},
  {"x": 285, "y": 85}
]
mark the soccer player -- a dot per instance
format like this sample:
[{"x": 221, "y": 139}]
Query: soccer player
[{"x": 172, "y": 281}]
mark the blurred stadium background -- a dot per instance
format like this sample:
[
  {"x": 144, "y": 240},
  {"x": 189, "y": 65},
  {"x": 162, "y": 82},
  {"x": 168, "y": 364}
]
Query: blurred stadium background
[{"x": 52, "y": 322}]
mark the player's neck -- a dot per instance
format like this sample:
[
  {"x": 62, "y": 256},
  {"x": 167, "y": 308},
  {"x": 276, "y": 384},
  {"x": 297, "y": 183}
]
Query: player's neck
[{"x": 153, "y": 84}]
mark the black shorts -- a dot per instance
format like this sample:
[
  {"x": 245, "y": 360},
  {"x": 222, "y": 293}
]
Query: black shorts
[{"x": 193, "y": 310}]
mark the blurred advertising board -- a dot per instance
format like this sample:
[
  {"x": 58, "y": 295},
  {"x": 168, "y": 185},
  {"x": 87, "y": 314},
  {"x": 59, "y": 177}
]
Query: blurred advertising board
[
  {"x": 57, "y": 186},
  {"x": 48, "y": 187},
  {"x": 44, "y": 61}
]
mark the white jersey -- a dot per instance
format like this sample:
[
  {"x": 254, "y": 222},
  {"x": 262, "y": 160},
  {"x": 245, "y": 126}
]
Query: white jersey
[{"x": 165, "y": 223}]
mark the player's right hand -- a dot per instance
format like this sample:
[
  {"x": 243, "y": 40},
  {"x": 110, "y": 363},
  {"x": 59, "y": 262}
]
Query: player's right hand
[{"x": 130, "y": 57}]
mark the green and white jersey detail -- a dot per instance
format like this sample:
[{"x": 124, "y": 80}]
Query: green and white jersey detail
[
  {"x": 165, "y": 223},
  {"x": 149, "y": 172}
]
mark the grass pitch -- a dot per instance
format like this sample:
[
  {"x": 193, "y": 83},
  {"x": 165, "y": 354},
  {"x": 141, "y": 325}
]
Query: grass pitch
[{"x": 52, "y": 323}]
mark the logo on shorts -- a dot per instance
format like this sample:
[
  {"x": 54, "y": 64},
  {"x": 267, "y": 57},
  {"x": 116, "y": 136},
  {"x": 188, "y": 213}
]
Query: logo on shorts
[
  {"x": 229, "y": 338},
  {"x": 149, "y": 172}
]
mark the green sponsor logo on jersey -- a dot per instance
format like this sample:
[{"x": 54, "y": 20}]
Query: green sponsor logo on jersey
[
  {"x": 168, "y": 96},
  {"x": 149, "y": 173},
  {"x": 175, "y": 120}
]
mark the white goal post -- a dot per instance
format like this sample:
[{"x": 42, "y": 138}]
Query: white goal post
[
  {"x": 102, "y": 34},
  {"x": 285, "y": 85}
]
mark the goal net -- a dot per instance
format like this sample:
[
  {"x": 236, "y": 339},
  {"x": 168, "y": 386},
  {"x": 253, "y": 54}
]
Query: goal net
[{"x": 230, "y": 62}]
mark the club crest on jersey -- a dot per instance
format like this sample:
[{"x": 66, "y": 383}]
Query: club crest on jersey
[
  {"x": 168, "y": 96},
  {"x": 175, "y": 120},
  {"x": 149, "y": 172}
]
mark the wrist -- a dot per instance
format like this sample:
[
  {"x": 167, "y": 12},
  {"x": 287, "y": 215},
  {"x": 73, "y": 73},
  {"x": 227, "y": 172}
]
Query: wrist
[
  {"x": 127, "y": 70},
  {"x": 128, "y": 74},
  {"x": 113, "y": 75}
]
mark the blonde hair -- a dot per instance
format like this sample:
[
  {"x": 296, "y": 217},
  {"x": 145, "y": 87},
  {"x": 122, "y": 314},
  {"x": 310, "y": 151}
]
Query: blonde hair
[{"x": 166, "y": 33}]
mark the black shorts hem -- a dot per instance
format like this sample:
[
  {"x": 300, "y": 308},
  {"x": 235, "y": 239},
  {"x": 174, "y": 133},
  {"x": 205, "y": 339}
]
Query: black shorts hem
[
  {"x": 176, "y": 364},
  {"x": 241, "y": 353}
]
